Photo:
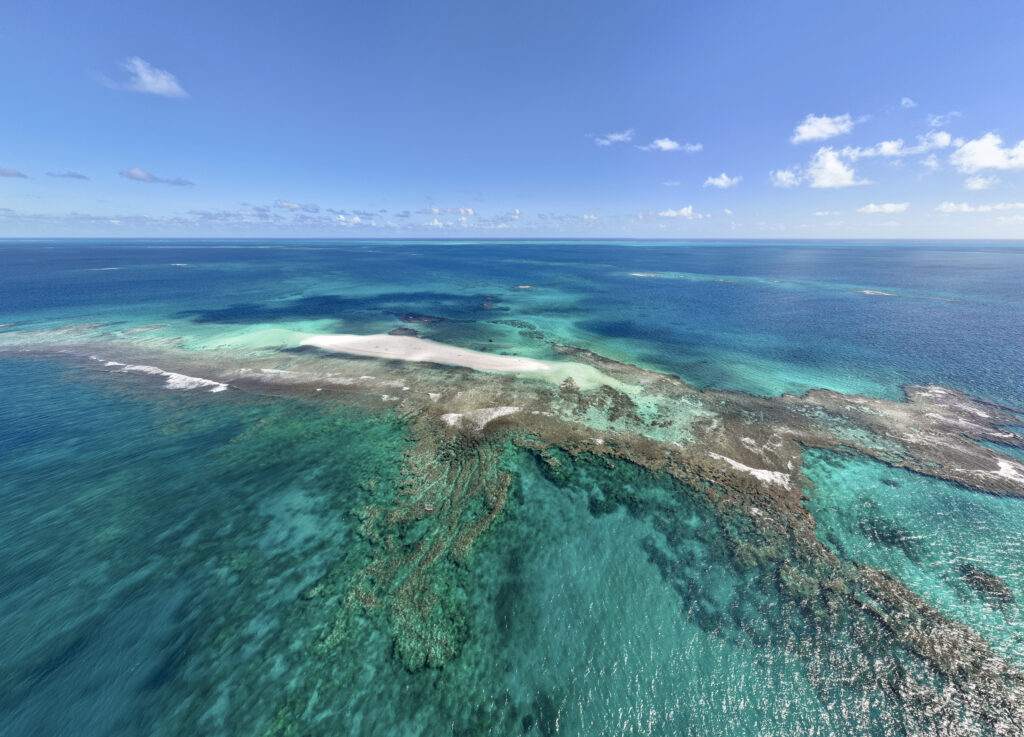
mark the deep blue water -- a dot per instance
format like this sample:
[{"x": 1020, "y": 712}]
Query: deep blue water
[
  {"x": 789, "y": 319},
  {"x": 154, "y": 545}
]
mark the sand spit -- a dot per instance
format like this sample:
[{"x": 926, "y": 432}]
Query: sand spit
[{"x": 406, "y": 348}]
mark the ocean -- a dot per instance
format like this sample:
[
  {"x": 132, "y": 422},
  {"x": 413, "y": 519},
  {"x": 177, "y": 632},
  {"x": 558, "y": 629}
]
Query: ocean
[{"x": 189, "y": 544}]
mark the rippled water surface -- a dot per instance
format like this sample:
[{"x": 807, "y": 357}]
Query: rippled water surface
[{"x": 161, "y": 548}]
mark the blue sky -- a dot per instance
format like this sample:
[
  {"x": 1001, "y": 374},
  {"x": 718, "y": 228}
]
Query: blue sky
[{"x": 528, "y": 119}]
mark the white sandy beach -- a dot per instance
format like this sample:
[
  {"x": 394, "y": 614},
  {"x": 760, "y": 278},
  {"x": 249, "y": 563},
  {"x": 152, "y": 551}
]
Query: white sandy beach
[{"x": 407, "y": 348}]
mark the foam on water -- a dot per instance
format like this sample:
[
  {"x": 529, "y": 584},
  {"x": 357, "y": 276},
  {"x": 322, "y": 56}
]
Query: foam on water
[
  {"x": 163, "y": 555},
  {"x": 174, "y": 380}
]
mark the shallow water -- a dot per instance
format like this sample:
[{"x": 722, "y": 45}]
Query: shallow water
[{"x": 162, "y": 548}]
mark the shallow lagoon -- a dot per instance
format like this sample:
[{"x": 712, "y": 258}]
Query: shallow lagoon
[{"x": 163, "y": 547}]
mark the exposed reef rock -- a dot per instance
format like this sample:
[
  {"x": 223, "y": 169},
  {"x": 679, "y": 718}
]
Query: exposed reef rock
[{"x": 736, "y": 458}]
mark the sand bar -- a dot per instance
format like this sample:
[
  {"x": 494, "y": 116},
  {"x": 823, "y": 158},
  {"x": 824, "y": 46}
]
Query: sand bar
[{"x": 407, "y": 348}]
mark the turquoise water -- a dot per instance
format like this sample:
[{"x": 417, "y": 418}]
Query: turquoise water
[
  {"x": 934, "y": 536},
  {"x": 765, "y": 318},
  {"x": 162, "y": 550}
]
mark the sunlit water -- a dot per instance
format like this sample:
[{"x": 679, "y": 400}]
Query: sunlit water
[{"x": 158, "y": 545}]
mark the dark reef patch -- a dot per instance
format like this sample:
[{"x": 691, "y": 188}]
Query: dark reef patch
[
  {"x": 417, "y": 306},
  {"x": 992, "y": 589}
]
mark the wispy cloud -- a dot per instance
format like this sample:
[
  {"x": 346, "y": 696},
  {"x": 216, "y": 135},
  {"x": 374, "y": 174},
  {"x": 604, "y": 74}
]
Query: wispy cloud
[
  {"x": 435, "y": 210},
  {"x": 12, "y": 173},
  {"x": 500, "y": 221},
  {"x": 987, "y": 152},
  {"x": 146, "y": 78},
  {"x": 624, "y": 137},
  {"x": 821, "y": 127},
  {"x": 980, "y": 182},
  {"x": 667, "y": 144},
  {"x": 300, "y": 206},
  {"x": 941, "y": 121},
  {"x": 906, "y": 103},
  {"x": 723, "y": 181},
  {"x": 352, "y": 220},
  {"x": 827, "y": 213},
  {"x": 672, "y": 183},
  {"x": 141, "y": 175},
  {"x": 896, "y": 148},
  {"x": 887, "y": 208},
  {"x": 67, "y": 175},
  {"x": 952, "y": 207},
  {"x": 686, "y": 213}
]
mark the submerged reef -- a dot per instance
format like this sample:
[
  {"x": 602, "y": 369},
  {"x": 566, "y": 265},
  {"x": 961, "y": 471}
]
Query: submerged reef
[{"x": 735, "y": 457}]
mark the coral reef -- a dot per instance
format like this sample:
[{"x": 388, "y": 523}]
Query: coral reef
[{"x": 736, "y": 457}]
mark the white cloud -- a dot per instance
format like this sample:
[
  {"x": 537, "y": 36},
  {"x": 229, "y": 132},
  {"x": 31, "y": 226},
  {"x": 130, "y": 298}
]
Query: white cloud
[
  {"x": 952, "y": 207},
  {"x": 500, "y": 221},
  {"x": 624, "y": 137},
  {"x": 907, "y": 103},
  {"x": 672, "y": 183},
  {"x": 932, "y": 162},
  {"x": 727, "y": 211},
  {"x": 589, "y": 218},
  {"x": 785, "y": 178},
  {"x": 147, "y": 78},
  {"x": 435, "y": 210},
  {"x": 68, "y": 175},
  {"x": 887, "y": 208},
  {"x": 686, "y": 213},
  {"x": 667, "y": 144},
  {"x": 927, "y": 142},
  {"x": 934, "y": 139},
  {"x": 987, "y": 152},
  {"x": 940, "y": 121},
  {"x": 820, "y": 127},
  {"x": 304, "y": 207},
  {"x": 980, "y": 182},
  {"x": 827, "y": 213},
  {"x": 722, "y": 182},
  {"x": 141, "y": 175},
  {"x": 435, "y": 223},
  {"x": 827, "y": 171}
]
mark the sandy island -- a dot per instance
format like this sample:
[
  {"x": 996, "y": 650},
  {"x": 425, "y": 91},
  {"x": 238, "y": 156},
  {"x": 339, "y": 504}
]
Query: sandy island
[{"x": 407, "y": 348}]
